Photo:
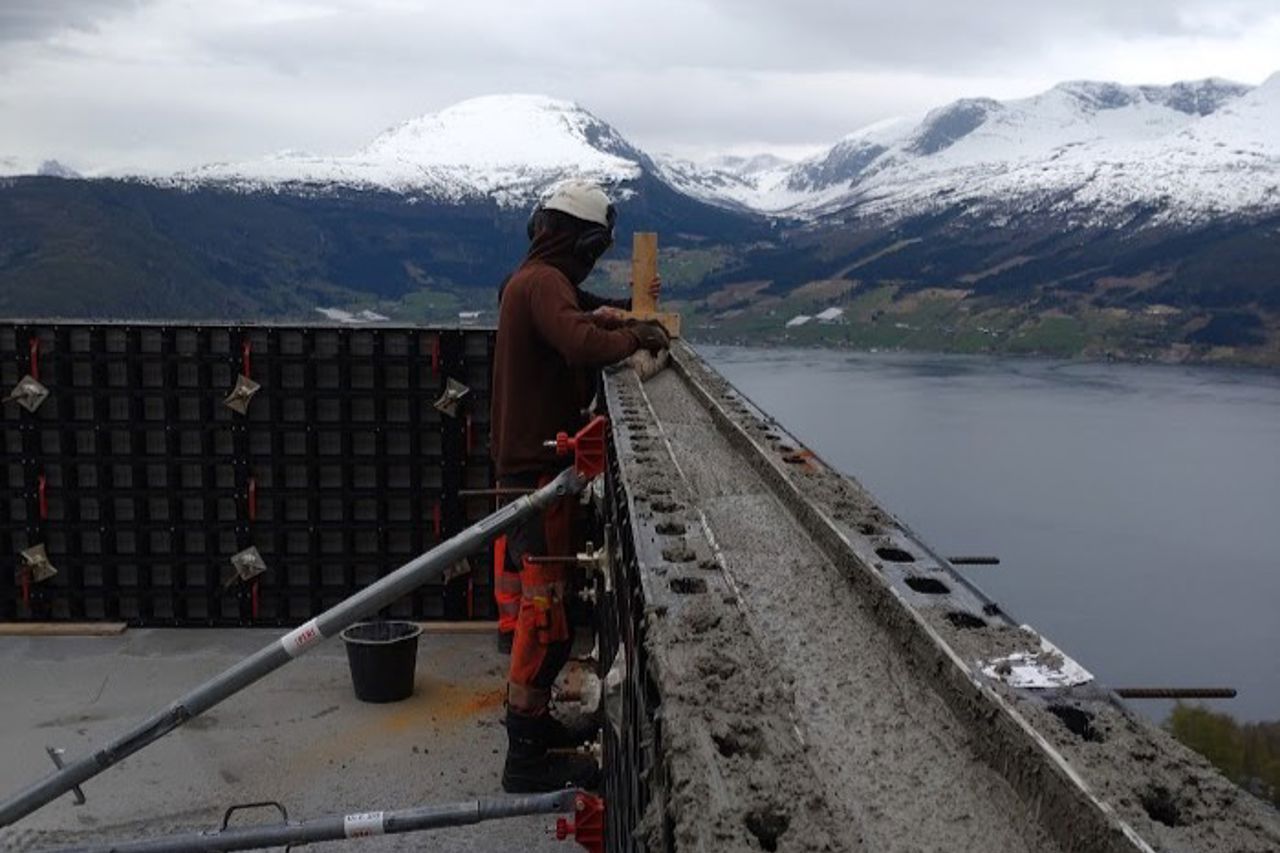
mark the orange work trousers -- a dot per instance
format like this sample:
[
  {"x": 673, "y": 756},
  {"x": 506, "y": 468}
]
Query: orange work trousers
[
  {"x": 543, "y": 634},
  {"x": 506, "y": 588}
]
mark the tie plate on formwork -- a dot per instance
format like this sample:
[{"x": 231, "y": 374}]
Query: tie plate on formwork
[
  {"x": 457, "y": 570},
  {"x": 29, "y": 393},
  {"x": 238, "y": 398},
  {"x": 248, "y": 565},
  {"x": 36, "y": 561},
  {"x": 448, "y": 403}
]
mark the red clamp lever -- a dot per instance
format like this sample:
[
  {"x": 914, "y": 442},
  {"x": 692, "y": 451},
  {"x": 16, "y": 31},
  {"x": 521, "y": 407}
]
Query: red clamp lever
[
  {"x": 587, "y": 447},
  {"x": 587, "y": 826}
]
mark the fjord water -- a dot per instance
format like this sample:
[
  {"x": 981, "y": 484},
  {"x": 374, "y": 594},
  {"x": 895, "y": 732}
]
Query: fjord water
[{"x": 1135, "y": 508}]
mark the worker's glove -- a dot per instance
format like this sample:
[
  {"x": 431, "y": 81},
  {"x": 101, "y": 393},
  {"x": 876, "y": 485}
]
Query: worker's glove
[{"x": 651, "y": 335}]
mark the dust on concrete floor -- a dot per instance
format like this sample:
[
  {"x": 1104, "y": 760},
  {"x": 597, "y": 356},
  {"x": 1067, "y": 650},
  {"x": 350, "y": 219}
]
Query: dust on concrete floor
[{"x": 298, "y": 736}]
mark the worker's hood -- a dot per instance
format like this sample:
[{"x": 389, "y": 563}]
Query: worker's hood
[{"x": 554, "y": 247}]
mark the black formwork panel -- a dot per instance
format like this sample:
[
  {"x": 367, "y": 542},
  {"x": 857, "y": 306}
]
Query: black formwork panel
[{"x": 141, "y": 484}]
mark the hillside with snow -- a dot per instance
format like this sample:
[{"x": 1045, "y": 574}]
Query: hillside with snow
[
  {"x": 1092, "y": 218},
  {"x": 503, "y": 147},
  {"x": 1091, "y": 153},
  {"x": 1083, "y": 152}
]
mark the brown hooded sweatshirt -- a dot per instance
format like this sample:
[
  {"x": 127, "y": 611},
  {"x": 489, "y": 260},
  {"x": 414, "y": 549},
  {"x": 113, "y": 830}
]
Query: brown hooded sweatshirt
[{"x": 547, "y": 351}]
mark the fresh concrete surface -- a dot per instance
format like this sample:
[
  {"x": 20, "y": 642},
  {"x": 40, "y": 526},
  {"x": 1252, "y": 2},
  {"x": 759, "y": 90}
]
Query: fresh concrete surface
[{"x": 299, "y": 736}]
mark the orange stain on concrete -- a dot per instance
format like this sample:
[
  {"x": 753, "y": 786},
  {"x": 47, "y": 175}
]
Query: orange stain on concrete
[{"x": 442, "y": 703}]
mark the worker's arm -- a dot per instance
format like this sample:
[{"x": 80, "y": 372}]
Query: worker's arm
[
  {"x": 563, "y": 324},
  {"x": 589, "y": 302}
]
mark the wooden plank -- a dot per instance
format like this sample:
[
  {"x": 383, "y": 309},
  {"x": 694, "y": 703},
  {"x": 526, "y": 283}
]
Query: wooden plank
[
  {"x": 644, "y": 266},
  {"x": 62, "y": 629}
]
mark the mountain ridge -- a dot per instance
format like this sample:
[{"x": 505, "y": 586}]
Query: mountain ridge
[{"x": 973, "y": 217}]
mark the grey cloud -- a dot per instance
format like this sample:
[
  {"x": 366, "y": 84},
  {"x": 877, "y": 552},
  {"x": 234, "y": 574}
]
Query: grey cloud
[
  {"x": 30, "y": 20},
  {"x": 214, "y": 80},
  {"x": 935, "y": 36}
]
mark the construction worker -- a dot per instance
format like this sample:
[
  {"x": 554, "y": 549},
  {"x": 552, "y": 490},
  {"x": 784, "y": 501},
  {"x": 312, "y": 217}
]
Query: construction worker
[
  {"x": 506, "y": 576},
  {"x": 547, "y": 353}
]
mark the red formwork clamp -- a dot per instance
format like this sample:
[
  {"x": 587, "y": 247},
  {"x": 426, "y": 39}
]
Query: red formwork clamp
[
  {"x": 587, "y": 447},
  {"x": 246, "y": 358},
  {"x": 33, "y": 348},
  {"x": 587, "y": 826},
  {"x": 42, "y": 497}
]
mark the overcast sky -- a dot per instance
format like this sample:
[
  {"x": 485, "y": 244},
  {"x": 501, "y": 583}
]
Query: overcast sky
[{"x": 157, "y": 85}]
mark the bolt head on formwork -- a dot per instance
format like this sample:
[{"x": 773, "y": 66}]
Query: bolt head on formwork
[
  {"x": 239, "y": 397},
  {"x": 36, "y": 561},
  {"x": 29, "y": 393}
]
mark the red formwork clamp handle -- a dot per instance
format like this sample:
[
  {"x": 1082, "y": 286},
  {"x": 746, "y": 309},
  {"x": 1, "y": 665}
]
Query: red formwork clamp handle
[
  {"x": 587, "y": 826},
  {"x": 33, "y": 347},
  {"x": 42, "y": 497},
  {"x": 587, "y": 447},
  {"x": 246, "y": 358},
  {"x": 253, "y": 498}
]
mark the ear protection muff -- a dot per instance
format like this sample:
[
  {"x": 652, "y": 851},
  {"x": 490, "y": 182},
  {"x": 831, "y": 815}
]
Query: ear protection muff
[
  {"x": 593, "y": 242},
  {"x": 596, "y": 240}
]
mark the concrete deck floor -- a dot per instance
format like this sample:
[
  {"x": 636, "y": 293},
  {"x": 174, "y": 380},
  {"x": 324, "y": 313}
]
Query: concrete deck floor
[{"x": 299, "y": 736}]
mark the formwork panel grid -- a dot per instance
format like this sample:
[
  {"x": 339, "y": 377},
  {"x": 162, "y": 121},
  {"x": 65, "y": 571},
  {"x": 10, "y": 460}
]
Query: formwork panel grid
[{"x": 141, "y": 483}]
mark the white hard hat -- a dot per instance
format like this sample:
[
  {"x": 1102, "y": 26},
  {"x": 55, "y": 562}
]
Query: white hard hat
[{"x": 581, "y": 199}]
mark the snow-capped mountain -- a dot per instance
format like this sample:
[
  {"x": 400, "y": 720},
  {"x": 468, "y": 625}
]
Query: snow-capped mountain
[
  {"x": 1092, "y": 152},
  {"x": 505, "y": 147},
  {"x": 17, "y": 166},
  {"x": 14, "y": 166}
]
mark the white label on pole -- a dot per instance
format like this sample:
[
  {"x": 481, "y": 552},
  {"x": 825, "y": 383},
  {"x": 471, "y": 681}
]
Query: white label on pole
[
  {"x": 301, "y": 638},
  {"x": 363, "y": 825}
]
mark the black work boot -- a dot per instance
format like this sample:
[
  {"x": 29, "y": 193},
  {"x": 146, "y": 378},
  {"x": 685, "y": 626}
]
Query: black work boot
[
  {"x": 566, "y": 730},
  {"x": 531, "y": 768}
]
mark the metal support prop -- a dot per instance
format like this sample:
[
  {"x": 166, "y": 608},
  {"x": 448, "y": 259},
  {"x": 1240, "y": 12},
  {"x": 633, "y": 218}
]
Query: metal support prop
[
  {"x": 338, "y": 827},
  {"x": 588, "y": 449}
]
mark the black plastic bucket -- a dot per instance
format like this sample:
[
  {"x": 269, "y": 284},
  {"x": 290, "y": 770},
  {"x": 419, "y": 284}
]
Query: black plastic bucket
[{"x": 383, "y": 656}]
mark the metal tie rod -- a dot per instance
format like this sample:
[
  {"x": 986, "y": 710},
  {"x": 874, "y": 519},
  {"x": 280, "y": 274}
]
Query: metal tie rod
[
  {"x": 338, "y": 827},
  {"x": 1176, "y": 692},
  {"x": 589, "y": 455}
]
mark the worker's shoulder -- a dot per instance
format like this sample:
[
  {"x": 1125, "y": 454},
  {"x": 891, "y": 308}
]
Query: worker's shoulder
[{"x": 534, "y": 280}]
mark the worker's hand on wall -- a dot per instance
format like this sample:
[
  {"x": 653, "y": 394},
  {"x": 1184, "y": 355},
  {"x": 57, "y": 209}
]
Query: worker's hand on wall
[{"x": 651, "y": 335}]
